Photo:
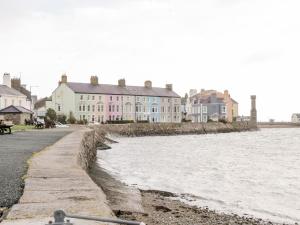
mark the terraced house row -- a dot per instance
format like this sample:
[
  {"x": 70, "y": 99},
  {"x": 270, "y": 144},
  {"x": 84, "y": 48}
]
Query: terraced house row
[{"x": 97, "y": 102}]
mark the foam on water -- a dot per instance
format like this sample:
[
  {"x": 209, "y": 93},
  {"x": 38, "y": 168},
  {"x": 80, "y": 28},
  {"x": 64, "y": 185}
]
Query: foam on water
[{"x": 253, "y": 173}]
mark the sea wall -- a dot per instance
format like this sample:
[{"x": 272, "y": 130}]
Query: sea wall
[
  {"x": 153, "y": 129},
  {"x": 278, "y": 125},
  {"x": 87, "y": 153},
  {"x": 57, "y": 179}
]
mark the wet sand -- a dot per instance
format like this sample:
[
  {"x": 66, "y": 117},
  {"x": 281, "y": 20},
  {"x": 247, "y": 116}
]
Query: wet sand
[{"x": 160, "y": 208}]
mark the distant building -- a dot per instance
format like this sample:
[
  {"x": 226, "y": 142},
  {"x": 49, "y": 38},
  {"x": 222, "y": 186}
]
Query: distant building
[
  {"x": 16, "y": 114},
  {"x": 40, "y": 108},
  {"x": 296, "y": 118},
  {"x": 212, "y": 105},
  {"x": 11, "y": 96},
  {"x": 97, "y": 102}
]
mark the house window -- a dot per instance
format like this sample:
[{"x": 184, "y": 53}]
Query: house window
[
  {"x": 98, "y": 108},
  {"x": 109, "y": 117},
  {"x": 93, "y": 118},
  {"x": 58, "y": 108},
  {"x": 84, "y": 117},
  {"x": 93, "y": 97},
  {"x": 81, "y": 97},
  {"x": 83, "y": 108},
  {"x": 100, "y": 98},
  {"x": 88, "y": 97},
  {"x": 110, "y": 98},
  {"x": 102, "y": 108},
  {"x": 109, "y": 109},
  {"x": 88, "y": 108},
  {"x": 113, "y": 108},
  {"x": 204, "y": 109},
  {"x": 80, "y": 108},
  {"x": 117, "y": 108},
  {"x": 117, "y": 98},
  {"x": 93, "y": 108},
  {"x": 223, "y": 109}
]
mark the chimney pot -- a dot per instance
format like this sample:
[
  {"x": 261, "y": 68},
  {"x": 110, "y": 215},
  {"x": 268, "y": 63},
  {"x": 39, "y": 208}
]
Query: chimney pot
[
  {"x": 64, "y": 79},
  {"x": 148, "y": 84},
  {"x": 169, "y": 87},
  {"x": 122, "y": 83},
  {"x": 94, "y": 80}
]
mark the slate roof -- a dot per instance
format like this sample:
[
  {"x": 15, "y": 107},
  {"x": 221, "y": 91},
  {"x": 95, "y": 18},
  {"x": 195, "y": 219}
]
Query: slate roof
[
  {"x": 86, "y": 88},
  {"x": 15, "y": 109},
  {"x": 4, "y": 90}
]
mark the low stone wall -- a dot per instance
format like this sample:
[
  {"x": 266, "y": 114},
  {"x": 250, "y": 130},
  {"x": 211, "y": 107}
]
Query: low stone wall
[
  {"x": 88, "y": 152},
  {"x": 146, "y": 129}
]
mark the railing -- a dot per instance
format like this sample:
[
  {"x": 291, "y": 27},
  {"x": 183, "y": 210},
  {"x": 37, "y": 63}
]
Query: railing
[{"x": 60, "y": 216}]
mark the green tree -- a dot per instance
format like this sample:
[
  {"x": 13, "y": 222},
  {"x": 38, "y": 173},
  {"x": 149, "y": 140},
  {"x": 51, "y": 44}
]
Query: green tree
[{"x": 51, "y": 114}]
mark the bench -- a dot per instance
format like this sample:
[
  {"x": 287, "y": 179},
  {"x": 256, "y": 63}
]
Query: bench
[{"x": 5, "y": 129}]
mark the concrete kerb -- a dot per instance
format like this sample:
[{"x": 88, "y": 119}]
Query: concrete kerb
[{"x": 57, "y": 179}]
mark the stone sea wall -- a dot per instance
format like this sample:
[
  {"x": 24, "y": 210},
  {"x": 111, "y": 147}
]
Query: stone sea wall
[
  {"x": 87, "y": 153},
  {"x": 146, "y": 129}
]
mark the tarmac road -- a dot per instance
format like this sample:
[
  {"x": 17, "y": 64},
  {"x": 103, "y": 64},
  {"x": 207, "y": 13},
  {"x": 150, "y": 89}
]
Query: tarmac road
[{"x": 15, "y": 150}]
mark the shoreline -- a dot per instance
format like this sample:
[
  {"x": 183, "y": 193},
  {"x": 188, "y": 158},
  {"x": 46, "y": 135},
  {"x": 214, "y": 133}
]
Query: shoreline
[{"x": 155, "y": 207}]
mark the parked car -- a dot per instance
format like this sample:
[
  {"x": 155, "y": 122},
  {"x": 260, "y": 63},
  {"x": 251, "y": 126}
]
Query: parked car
[{"x": 60, "y": 125}]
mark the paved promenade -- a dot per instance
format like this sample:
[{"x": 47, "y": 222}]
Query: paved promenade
[
  {"x": 56, "y": 181},
  {"x": 15, "y": 150}
]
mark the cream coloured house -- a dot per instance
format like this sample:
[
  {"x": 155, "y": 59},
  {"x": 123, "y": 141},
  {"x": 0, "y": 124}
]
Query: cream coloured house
[
  {"x": 96, "y": 102},
  {"x": 10, "y": 96}
]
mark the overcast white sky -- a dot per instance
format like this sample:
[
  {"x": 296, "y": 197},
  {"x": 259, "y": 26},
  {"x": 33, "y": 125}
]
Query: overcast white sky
[{"x": 248, "y": 47}]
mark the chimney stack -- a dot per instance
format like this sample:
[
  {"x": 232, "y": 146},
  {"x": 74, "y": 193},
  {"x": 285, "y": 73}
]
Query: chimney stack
[
  {"x": 64, "y": 79},
  {"x": 226, "y": 94},
  {"x": 94, "y": 80},
  {"x": 7, "y": 80},
  {"x": 122, "y": 83},
  {"x": 169, "y": 87},
  {"x": 148, "y": 84}
]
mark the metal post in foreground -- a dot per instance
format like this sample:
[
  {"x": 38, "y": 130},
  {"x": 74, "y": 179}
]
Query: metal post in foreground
[{"x": 60, "y": 215}]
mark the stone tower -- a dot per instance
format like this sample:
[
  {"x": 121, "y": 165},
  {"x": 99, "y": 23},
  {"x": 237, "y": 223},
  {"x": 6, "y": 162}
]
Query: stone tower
[{"x": 253, "y": 117}]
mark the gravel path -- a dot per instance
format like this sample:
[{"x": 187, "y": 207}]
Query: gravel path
[{"x": 15, "y": 150}]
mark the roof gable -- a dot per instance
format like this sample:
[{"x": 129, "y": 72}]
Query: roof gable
[{"x": 15, "y": 109}]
